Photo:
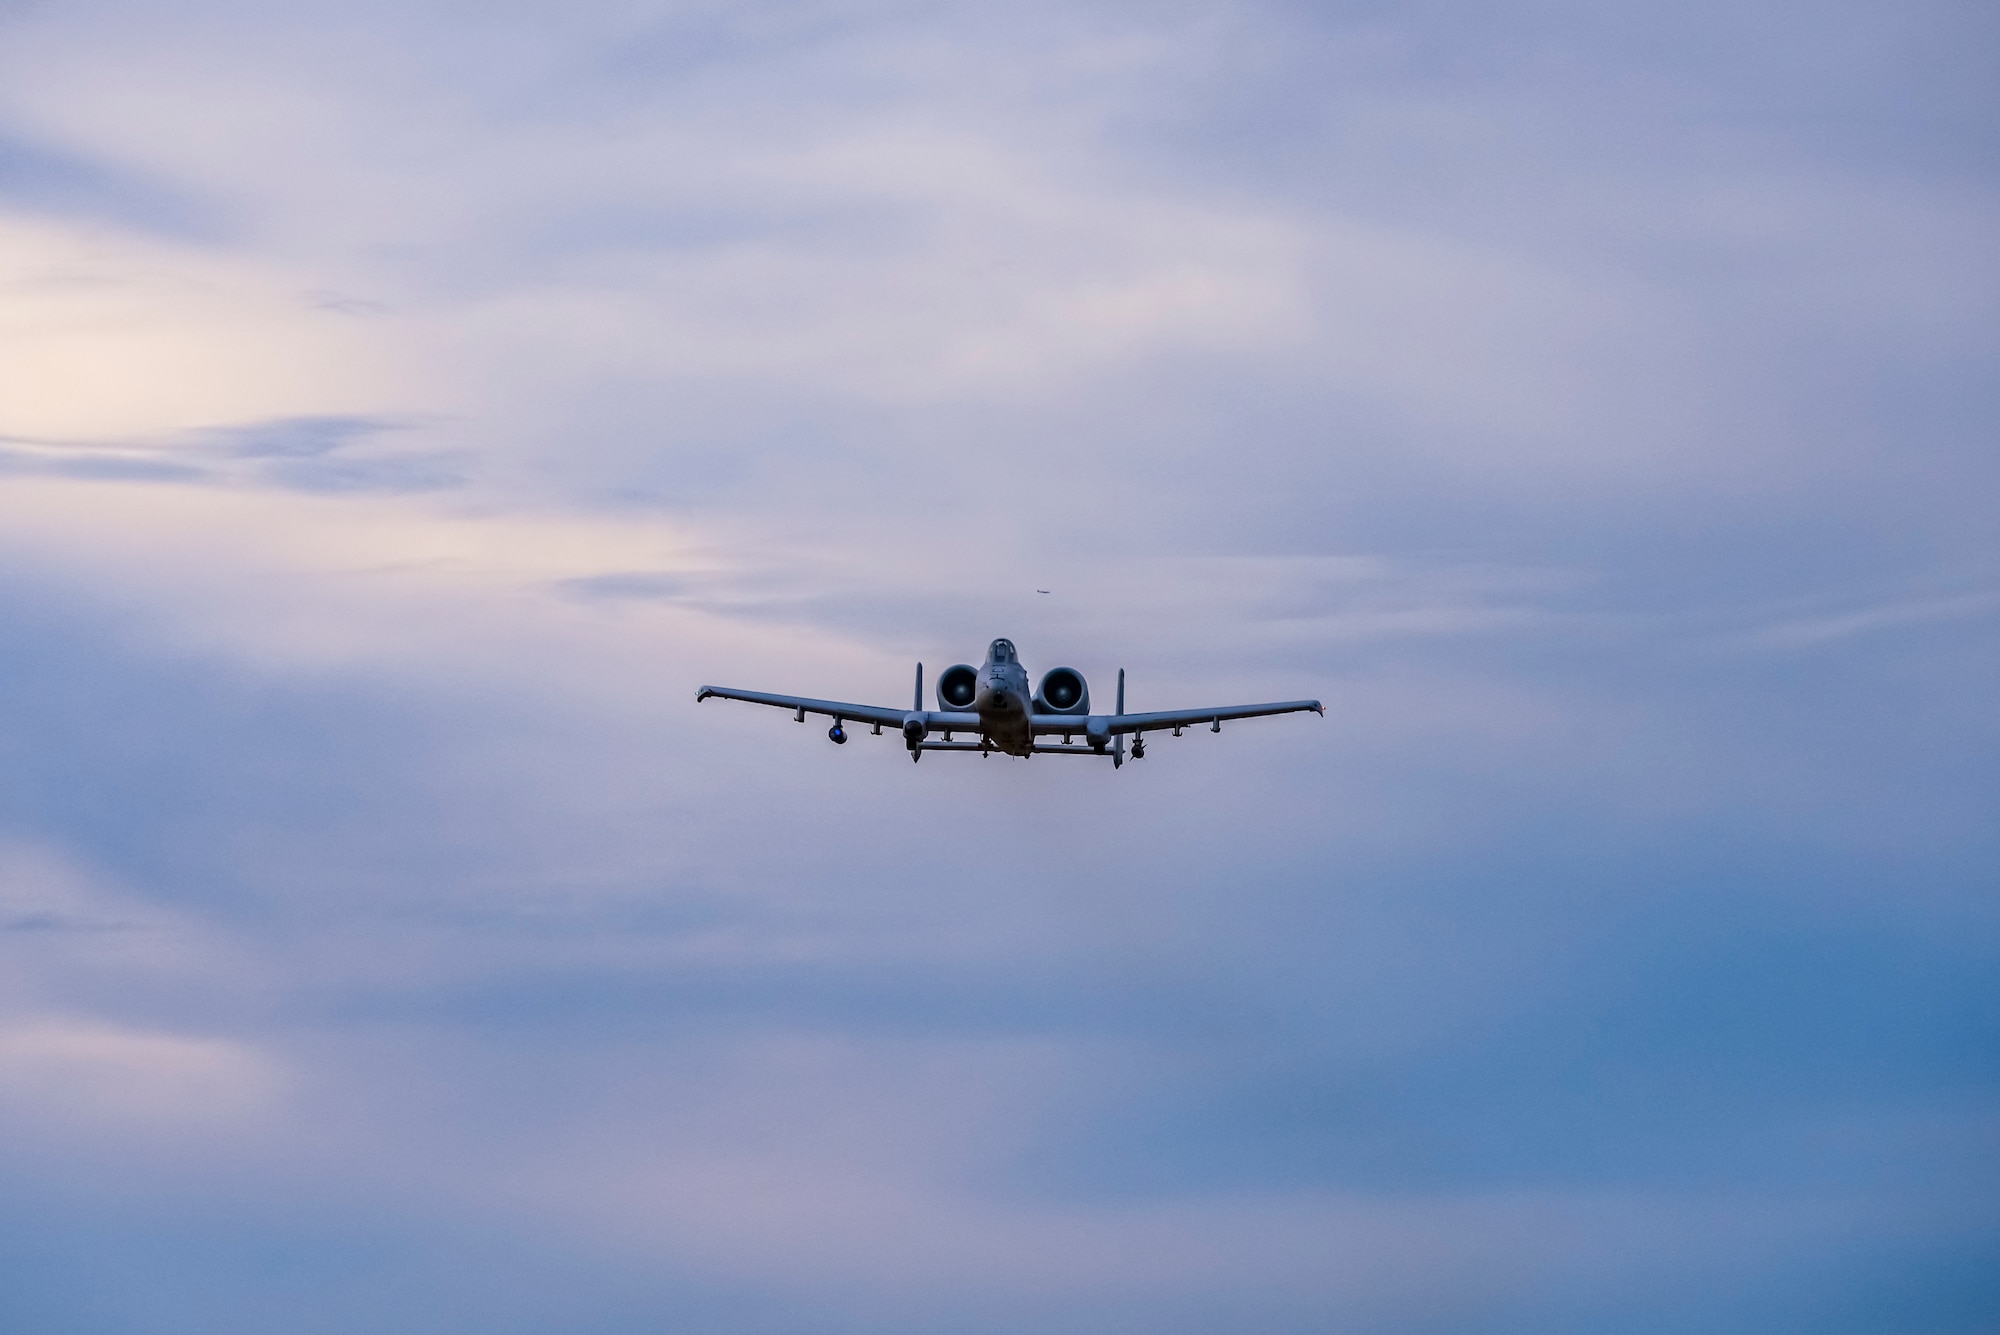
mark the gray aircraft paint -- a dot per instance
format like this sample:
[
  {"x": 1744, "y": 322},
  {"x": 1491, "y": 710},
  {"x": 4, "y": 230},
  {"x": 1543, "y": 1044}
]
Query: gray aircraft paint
[{"x": 1006, "y": 716}]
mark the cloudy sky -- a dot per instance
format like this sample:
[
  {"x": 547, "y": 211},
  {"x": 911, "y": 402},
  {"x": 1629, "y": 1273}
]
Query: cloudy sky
[{"x": 405, "y": 407}]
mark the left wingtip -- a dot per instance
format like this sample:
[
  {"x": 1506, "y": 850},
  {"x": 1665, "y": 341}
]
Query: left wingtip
[{"x": 1319, "y": 709}]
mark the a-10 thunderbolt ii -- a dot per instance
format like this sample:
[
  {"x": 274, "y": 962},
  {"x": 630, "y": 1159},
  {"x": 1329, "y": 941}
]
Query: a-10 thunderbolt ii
[{"x": 993, "y": 703}]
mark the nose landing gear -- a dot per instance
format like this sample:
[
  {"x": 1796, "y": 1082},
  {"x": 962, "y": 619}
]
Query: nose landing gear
[
  {"x": 837, "y": 734},
  {"x": 1139, "y": 747}
]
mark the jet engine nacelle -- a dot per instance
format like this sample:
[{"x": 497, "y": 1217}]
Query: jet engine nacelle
[
  {"x": 1063, "y": 691},
  {"x": 958, "y": 687}
]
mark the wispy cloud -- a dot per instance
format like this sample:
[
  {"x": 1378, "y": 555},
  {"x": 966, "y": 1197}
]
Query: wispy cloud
[
  {"x": 1826, "y": 629},
  {"x": 65, "y": 1068},
  {"x": 311, "y": 454},
  {"x": 40, "y": 178}
]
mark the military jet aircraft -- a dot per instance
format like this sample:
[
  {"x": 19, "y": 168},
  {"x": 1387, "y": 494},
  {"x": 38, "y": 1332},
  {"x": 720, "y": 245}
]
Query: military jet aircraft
[{"x": 993, "y": 704}]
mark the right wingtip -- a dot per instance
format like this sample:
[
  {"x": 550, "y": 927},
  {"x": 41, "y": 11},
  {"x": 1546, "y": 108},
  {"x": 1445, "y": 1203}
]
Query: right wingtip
[{"x": 703, "y": 694}]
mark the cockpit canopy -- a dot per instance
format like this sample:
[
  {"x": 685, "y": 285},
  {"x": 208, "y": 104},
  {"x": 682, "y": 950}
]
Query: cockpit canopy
[{"x": 1001, "y": 651}]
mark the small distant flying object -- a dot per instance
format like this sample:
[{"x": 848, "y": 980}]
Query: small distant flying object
[
  {"x": 1041, "y": 590},
  {"x": 993, "y": 704}
]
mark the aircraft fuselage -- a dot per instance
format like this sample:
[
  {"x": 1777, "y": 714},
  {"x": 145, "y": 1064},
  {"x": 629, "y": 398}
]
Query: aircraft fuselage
[{"x": 1004, "y": 702}]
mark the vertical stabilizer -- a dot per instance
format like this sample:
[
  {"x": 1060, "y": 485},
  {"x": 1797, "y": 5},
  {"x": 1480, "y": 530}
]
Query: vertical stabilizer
[
  {"x": 918, "y": 704},
  {"x": 1118, "y": 747}
]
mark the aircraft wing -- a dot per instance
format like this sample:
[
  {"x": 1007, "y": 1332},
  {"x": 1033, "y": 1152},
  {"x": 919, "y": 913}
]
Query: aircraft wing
[
  {"x": 882, "y": 714},
  {"x": 1171, "y": 718}
]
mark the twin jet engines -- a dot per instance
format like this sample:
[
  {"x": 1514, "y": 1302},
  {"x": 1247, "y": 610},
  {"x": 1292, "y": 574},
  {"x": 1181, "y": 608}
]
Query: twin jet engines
[{"x": 1063, "y": 690}]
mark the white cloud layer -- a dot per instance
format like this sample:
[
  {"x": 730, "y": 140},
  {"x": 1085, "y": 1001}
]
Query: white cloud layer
[{"x": 403, "y": 409}]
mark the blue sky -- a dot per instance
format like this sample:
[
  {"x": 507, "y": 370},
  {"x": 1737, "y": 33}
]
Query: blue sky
[{"x": 403, "y": 408}]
